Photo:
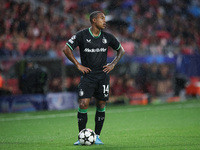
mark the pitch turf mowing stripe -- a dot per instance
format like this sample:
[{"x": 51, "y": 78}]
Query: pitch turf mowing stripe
[
  {"x": 113, "y": 110},
  {"x": 29, "y": 117}
]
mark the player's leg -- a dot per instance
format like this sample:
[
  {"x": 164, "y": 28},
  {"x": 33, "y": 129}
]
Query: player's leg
[
  {"x": 86, "y": 90},
  {"x": 82, "y": 113},
  {"x": 85, "y": 93},
  {"x": 99, "y": 119},
  {"x": 100, "y": 116},
  {"x": 102, "y": 95}
]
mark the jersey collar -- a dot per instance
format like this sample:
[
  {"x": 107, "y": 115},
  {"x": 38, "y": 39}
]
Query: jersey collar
[{"x": 93, "y": 35}]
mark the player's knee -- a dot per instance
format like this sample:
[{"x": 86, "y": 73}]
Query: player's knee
[
  {"x": 101, "y": 105},
  {"x": 83, "y": 105}
]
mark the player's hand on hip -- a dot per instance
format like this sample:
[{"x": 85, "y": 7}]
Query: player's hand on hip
[
  {"x": 83, "y": 69},
  {"x": 109, "y": 67}
]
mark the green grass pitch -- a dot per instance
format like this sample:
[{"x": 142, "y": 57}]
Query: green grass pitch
[{"x": 171, "y": 126}]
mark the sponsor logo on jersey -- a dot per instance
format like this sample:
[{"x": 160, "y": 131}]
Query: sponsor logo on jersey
[
  {"x": 104, "y": 40},
  {"x": 93, "y": 50}
]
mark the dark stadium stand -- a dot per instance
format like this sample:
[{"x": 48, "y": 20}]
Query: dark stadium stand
[{"x": 163, "y": 33}]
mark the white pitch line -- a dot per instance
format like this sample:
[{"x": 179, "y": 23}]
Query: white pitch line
[{"x": 160, "y": 107}]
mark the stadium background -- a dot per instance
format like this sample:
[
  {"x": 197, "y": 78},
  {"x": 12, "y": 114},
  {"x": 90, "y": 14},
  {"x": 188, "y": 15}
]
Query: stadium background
[{"x": 161, "y": 39}]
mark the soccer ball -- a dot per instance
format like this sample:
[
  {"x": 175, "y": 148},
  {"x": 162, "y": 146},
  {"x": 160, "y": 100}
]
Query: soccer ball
[{"x": 87, "y": 137}]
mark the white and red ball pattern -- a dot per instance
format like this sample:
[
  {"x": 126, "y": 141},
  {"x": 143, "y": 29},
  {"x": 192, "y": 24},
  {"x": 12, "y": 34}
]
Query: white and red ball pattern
[{"x": 87, "y": 137}]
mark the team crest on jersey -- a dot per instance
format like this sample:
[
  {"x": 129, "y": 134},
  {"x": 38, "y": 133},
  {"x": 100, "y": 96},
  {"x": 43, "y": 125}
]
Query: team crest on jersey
[
  {"x": 104, "y": 40},
  {"x": 81, "y": 93}
]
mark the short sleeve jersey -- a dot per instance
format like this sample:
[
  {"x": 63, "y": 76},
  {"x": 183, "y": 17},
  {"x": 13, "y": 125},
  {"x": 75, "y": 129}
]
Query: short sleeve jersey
[{"x": 93, "y": 50}]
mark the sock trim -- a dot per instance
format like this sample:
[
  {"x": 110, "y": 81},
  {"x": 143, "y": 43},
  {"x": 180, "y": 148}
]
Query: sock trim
[
  {"x": 82, "y": 110},
  {"x": 101, "y": 109}
]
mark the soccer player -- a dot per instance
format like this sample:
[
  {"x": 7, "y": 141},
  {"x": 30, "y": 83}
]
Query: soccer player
[{"x": 93, "y": 44}]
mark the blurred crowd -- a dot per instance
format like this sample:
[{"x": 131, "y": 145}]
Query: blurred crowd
[
  {"x": 40, "y": 28},
  {"x": 145, "y": 27}
]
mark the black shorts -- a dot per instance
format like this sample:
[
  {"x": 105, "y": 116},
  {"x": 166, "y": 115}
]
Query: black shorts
[{"x": 96, "y": 87}]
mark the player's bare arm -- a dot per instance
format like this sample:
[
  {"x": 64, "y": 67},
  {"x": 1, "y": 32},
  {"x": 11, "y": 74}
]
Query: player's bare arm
[
  {"x": 68, "y": 52},
  {"x": 110, "y": 66}
]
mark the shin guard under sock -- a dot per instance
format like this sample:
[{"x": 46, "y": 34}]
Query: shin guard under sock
[
  {"x": 82, "y": 120},
  {"x": 99, "y": 120}
]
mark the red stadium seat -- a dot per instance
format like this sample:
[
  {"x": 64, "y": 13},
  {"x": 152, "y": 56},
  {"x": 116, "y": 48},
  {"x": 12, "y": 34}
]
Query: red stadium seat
[{"x": 13, "y": 86}]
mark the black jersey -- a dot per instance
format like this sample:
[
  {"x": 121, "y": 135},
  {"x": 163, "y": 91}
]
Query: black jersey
[{"x": 93, "y": 50}]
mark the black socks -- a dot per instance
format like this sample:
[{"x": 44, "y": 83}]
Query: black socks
[
  {"x": 99, "y": 120},
  {"x": 82, "y": 120}
]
